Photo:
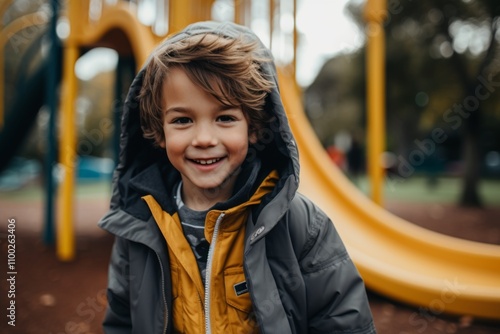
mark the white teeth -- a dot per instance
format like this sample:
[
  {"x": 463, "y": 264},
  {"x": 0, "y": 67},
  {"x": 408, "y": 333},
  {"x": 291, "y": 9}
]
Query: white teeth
[{"x": 206, "y": 162}]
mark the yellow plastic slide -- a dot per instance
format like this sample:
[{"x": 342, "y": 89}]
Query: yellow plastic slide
[{"x": 396, "y": 258}]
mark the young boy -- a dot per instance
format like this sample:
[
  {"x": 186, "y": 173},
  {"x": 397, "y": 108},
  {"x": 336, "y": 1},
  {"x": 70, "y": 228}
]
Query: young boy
[{"x": 211, "y": 234}]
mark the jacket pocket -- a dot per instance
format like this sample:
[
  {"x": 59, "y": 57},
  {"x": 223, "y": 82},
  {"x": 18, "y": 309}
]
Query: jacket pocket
[
  {"x": 239, "y": 310},
  {"x": 237, "y": 294}
]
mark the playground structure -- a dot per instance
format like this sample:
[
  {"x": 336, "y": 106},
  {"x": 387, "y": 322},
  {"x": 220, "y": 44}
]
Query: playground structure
[{"x": 395, "y": 258}]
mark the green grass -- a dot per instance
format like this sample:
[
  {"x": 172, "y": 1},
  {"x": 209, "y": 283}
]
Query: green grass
[
  {"x": 413, "y": 189},
  {"x": 32, "y": 192},
  {"x": 445, "y": 190}
]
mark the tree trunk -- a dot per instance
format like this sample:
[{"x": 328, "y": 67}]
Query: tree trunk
[
  {"x": 470, "y": 192},
  {"x": 472, "y": 131},
  {"x": 471, "y": 155}
]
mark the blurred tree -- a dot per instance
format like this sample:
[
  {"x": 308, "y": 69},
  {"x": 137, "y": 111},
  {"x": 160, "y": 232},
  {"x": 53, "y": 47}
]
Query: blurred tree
[
  {"x": 94, "y": 108},
  {"x": 442, "y": 80},
  {"x": 335, "y": 99}
]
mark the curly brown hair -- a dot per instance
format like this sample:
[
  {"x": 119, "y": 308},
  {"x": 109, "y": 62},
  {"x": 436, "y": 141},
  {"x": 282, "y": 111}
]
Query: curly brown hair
[{"x": 228, "y": 69}]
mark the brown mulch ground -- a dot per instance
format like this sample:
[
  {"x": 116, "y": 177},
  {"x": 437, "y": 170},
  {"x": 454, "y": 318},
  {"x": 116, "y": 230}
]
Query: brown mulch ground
[{"x": 68, "y": 298}]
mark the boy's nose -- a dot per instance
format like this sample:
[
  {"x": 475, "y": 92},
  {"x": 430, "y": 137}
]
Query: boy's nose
[{"x": 204, "y": 136}]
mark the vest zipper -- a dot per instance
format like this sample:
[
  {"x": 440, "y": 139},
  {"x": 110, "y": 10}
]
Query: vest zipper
[
  {"x": 208, "y": 278},
  {"x": 163, "y": 294}
]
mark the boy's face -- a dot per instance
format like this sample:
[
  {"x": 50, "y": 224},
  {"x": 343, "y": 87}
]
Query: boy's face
[{"x": 205, "y": 140}]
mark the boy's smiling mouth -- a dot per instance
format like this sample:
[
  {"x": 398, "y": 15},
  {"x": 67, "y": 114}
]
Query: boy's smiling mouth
[{"x": 206, "y": 161}]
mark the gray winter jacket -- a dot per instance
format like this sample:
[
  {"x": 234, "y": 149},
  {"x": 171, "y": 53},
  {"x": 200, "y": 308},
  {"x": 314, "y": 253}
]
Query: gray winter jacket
[{"x": 299, "y": 274}]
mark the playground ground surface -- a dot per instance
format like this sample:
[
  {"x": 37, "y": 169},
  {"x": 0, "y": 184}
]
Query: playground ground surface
[{"x": 56, "y": 297}]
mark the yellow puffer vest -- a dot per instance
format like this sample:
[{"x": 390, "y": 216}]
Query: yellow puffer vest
[{"x": 228, "y": 303}]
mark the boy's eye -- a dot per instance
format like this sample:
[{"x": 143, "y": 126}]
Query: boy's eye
[
  {"x": 181, "y": 120},
  {"x": 226, "y": 118}
]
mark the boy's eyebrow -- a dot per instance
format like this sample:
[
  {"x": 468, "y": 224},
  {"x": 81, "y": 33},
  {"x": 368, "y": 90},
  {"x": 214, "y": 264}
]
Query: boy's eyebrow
[
  {"x": 181, "y": 109},
  {"x": 178, "y": 109},
  {"x": 225, "y": 107}
]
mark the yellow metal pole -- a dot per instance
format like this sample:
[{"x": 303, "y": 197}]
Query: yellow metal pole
[
  {"x": 2, "y": 85},
  {"x": 206, "y": 10},
  {"x": 295, "y": 40},
  {"x": 184, "y": 12},
  {"x": 271, "y": 23},
  {"x": 65, "y": 231},
  {"x": 181, "y": 14},
  {"x": 375, "y": 14},
  {"x": 238, "y": 11}
]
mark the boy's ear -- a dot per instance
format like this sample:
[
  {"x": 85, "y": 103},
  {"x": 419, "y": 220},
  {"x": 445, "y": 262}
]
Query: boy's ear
[
  {"x": 252, "y": 137},
  {"x": 161, "y": 142}
]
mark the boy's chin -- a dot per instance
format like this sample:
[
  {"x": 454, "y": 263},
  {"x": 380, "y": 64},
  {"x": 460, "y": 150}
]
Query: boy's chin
[
  {"x": 218, "y": 186},
  {"x": 224, "y": 185}
]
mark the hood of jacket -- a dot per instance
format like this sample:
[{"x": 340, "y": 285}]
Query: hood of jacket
[{"x": 144, "y": 169}]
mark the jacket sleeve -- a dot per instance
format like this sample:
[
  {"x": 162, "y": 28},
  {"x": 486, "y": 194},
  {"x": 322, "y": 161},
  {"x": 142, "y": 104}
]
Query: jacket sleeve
[
  {"x": 117, "y": 319},
  {"x": 336, "y": 295}
]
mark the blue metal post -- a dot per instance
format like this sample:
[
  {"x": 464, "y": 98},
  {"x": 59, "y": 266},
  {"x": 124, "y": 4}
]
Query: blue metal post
[{"x": 51, "y": 99}]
